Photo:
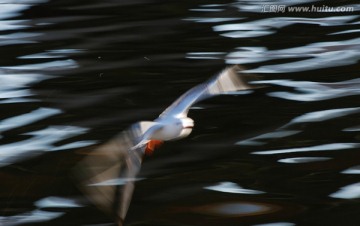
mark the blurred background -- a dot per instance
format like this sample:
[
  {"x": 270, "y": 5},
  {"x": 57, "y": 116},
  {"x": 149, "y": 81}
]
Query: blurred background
[{"x": 76, "y": 73}]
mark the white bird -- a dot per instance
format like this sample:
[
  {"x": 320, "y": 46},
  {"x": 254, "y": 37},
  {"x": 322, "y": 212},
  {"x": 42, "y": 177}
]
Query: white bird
[{"x": 108, "y": 173}]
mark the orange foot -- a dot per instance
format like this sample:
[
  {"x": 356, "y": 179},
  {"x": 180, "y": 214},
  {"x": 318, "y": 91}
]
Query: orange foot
[{"x": 152, "y": 145}]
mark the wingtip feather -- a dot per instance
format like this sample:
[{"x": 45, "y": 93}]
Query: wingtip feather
[{"x": 232, "y": 79}]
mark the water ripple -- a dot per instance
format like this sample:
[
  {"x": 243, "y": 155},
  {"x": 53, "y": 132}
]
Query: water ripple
[
  {"x": 319, "y": 116},
  {"x": 303, "y": 58},
  {"x": 74, "y": 55},
  {"x": 212, "y": 19},
  {"x": 352, "y": 129},
  {"x": 34, "y": 216},
  {"x": 7, "y": 25},
  {"x": 18, "y": 38},
  {"x": 13, "y": 87},
  {"x": 58, "y": 53},
  {"x": 352, "y": 170},
  {"x": 351, "y": 191},
  {"x": 323, "y": 147},
  {"x": 57, "y": 202},
  {"x": 345, "y": 32},
  {"x": 28, "y": 118},
  {"x": 272, "y": 135},
  {"x": 39, "y": 142},
  {"x": 235, "y": 209},
  {"x": 230, "y": 187},
  {"x": 285, "y": 131},
  {"x": 315, "y": 91},
  {"x": 117, "y": 181},
  {"x": 267, "y": 26},
  {"x": 49, "y": 66},
  {"x": 303, "y": 160},
  {"x": 205, "y": 55},
  {"x": 276, "y": 224},
  {"x": 321, "y": 54}
]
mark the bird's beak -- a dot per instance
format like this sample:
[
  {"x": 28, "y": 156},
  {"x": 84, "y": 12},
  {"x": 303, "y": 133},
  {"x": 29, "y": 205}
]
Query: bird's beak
[{"x": 152, "y": 145}]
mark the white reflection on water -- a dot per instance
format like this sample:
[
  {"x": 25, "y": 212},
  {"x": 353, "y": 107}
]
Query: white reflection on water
[
  {"x": 207, "y": 10},
  {"x": 12, "y": 25},
  {"x": 40, "y": 142},
  {"x": 272, "y": 135},
  {"x": 303, "y": 160},
  {"x": 34, "y": 216},
  {"x": 324, "y": 147},
  {"x": 73, "y": 145},
  {"x": 15, "y": 99},
  {"x": 321, "y": 54},
  {"x": 284, "y": 131},
  {"x": 309, "y": 57},
  {"x": 22, "y": 1},
  {"x": 58, "y": 53},
  {"x": 13, "y": 87},
  {"x": 236, "y": 209},
  {"x": 52, "y": 65},
  {"x": 205, "y": 55},
  {"x": 320, "y": 60},
  {"x": 315, "y": 91},
  {"x": 276, "y": 224},
  {"x": 352, "y": 170},
  {"x": 352, "y": 129},
  {"x": 351, "y": 191},
  {"x": 266, "y": 26},
  {"x": 57, "y": 202},
  {"x": 346, "y": 32},
  {"x": 210, "y": 8},
  {"x": 8, "y": 10},
  {"x": 15, "y": 95},
  {"x": 14, "y": 81},
  {"x": 17, "y": 38},
  {"x": 117, "y": 181},
  {"x": 28, "y": 118},
  {"x": 230, "y": 187},
  {"x": 212, "y": 19},
  {"x": 319, "y": 116}
]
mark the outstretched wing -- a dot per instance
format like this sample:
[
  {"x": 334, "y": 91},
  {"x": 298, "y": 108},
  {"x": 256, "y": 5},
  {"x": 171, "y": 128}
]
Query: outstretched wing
[
  {"x": 107, "y": 174},
  {"x": 229, "y": 80}
]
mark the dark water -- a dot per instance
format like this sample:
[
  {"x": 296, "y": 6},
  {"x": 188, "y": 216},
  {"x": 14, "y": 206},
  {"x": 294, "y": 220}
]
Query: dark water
[{"x": 75, "y": 73}]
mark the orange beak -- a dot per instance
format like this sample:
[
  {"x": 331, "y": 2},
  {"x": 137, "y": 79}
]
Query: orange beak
[{"x": 152, "y": 145}]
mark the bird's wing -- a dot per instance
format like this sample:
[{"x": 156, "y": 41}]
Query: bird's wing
[
  {"x": 229, "y": 80},
  {"x": 107, "y": 174}
]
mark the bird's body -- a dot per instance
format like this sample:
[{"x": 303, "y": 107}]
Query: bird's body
[{"x": 117, "y": 162}]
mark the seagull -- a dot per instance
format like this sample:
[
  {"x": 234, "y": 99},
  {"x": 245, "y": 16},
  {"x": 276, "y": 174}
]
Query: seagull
[{"x": 107, "y": 174}]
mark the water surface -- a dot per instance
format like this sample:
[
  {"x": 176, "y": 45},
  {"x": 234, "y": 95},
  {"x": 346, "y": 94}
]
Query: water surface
[{"x": 75, "y": 73}]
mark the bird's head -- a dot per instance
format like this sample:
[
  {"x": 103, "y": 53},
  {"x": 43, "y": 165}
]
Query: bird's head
[
  {"x": 187, "y": 123},
  {"x": 177, "y": 128},
  {"x": 186, "y": 126}
]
